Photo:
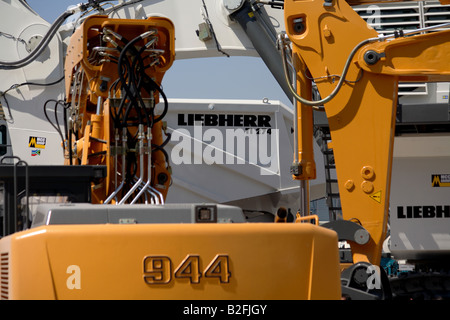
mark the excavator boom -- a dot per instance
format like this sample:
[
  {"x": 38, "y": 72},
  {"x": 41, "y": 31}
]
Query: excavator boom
[{"x": 357, "y": 75}]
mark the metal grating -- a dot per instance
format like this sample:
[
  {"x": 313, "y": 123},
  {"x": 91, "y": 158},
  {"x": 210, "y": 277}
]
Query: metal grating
[
  {"x": 387, "y": 17},
  {"x": 434, "y": 13},
  {"x": 4, "y": 276}
]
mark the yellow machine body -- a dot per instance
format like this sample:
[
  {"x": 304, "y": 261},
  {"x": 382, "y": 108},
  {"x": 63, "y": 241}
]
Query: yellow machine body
[
  {"x": 171, "y": 261},
  {"x": 131, "y": 260},
  {"x": 91, "y": 68}
]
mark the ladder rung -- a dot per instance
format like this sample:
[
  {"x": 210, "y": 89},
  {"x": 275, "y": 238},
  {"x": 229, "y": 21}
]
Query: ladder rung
[{"x": 333, "y": 195}]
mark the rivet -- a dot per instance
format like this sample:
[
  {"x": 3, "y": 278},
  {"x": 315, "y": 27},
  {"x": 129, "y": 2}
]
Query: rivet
[{"x": 367, "y": 186}]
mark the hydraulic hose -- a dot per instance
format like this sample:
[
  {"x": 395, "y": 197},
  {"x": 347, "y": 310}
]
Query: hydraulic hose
[
  {"x": 121, "y": 62},
  {"x": 10, "y": 65},
  {"x": 318, "y": 103}
]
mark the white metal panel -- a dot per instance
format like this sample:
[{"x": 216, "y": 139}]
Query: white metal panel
[
  {"x": 23, "y": 106},
  {"x": 187, "y": 15},
  {"x": 269, "y": 184},
  {"x": 417, "y": 229}
]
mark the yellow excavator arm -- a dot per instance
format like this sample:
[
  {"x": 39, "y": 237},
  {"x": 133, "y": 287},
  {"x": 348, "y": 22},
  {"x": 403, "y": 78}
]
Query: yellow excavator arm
[{"x": 357, "y": 72}]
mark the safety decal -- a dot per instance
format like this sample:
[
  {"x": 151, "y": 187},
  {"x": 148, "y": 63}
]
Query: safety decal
[{"x": 376, "y": 196}]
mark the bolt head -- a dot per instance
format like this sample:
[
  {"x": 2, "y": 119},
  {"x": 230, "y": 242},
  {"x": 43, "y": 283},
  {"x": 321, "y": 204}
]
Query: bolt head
[{"x": 349, "y": 185}]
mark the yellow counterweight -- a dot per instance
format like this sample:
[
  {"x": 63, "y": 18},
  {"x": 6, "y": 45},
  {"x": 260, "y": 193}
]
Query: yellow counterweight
[{"x": 261, "y": 261}]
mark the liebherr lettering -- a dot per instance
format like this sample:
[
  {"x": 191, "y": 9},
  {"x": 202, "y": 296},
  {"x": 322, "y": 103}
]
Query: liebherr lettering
[
  {"x": 224, "y": 120},
  {"x": 419, "y": 212}
]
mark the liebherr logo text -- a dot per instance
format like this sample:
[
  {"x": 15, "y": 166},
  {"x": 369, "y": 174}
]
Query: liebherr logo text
[
  {"x": 224, "y": 120},
  {"x": 250, "y": 123},
  {"x": 418, "y": 212}
]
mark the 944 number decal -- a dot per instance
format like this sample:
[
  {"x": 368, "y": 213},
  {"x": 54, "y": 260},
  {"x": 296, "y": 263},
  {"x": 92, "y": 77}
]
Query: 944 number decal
[{"x": 160, "y": 270}]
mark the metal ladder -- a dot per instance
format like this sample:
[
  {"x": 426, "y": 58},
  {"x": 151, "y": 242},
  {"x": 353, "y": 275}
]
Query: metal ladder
[{"x": 332, "y": 191}]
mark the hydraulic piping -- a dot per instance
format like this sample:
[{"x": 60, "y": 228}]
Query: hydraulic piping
[
  {"x": 317, "y": 105},
  {"x": 10, "y": 65}
]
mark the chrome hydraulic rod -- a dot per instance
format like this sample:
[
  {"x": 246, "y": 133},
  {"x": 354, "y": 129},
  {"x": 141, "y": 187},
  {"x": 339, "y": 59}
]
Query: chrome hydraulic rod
[{"x": 141, "y": 160}]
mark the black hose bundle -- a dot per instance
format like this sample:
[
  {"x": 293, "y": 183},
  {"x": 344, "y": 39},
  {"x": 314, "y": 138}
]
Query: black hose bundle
[{"x": 134, "y": 81}]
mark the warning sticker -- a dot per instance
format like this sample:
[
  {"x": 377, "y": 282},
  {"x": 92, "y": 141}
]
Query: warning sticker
[
  {"x": 440, "y": 180},
  {"x": 376, "y": 196},
  {"x": 37, "y": 142}
]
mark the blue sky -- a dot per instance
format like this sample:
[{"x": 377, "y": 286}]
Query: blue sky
[{"x": 221, "y": 78}]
